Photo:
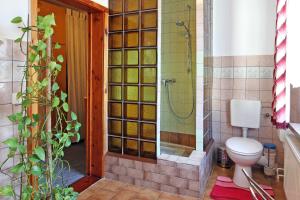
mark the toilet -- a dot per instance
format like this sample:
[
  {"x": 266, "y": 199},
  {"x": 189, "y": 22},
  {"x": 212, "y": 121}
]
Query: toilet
[{"x": 243, "y": 151}]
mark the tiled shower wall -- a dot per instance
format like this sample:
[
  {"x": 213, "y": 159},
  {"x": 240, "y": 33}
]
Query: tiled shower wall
[
  {"x": 11, "y": 62},
  {"x": 243, "y": 77},
  {"x": 174, "y": 64}
]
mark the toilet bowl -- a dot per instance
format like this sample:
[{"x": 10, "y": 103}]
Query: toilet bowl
[{"x": 244, "y": 152}]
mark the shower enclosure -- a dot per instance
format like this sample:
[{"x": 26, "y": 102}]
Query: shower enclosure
[{"x": 178, "y": 91}]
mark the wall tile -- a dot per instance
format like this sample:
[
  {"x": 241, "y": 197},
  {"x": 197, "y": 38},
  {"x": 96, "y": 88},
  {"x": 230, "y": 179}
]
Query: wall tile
[
  {"x": 5, "y": 91},
  {"x": 5, "y": 133},
  {"x": 226, "y": 83},
  {"x": 266, "y": 72},
  {"x": 240, "y": 61},
  {"x": 227, "y": 61},
  {"x": 17, "y": 53},
  {"x": 267, "y": 61},
  {"x": 5, "y": 110},
  {"x": 18, "y": 70},
  {"x": 239, "y": 94},
  {"x": 253, "y": 72},
  {"x": 253, "y": 61},
  {"x": 252, "y": 84},
  {"x": 6, "y": 49},
  {"x": 5, "y": 71},
  {"x": 227, "y": 72},
  {"x": 266, "y": 96},
  {"x": 265, "y": 84},
  {"x": 240, "y": 72},
  {"x": 239, "y": 84},
  {"x": 252, "y": 95}
]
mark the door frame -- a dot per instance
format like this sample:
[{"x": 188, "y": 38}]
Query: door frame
[{"x": 95, "y": 133}]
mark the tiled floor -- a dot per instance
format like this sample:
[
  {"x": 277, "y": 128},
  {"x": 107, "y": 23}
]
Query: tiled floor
[{"x": 113, "y": 190}]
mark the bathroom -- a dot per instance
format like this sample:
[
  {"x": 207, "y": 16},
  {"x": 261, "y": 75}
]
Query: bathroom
[{"x": 188, "y": 101}]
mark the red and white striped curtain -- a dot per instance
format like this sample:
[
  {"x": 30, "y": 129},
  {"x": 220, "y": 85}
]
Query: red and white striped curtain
[{"x": 280, "y": 96}]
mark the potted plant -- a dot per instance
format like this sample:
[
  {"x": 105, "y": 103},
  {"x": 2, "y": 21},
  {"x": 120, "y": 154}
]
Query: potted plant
[{"x": 39, "y": 144}]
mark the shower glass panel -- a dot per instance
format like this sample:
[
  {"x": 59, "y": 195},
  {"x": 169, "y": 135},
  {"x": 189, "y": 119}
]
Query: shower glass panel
[
  {"x": 178, "y": 76},
  {"x": 132, "y": 93}
]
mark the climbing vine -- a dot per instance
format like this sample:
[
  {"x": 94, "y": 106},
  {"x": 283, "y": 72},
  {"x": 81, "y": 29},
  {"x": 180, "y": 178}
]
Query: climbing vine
[{"x": 36, "y": 174}]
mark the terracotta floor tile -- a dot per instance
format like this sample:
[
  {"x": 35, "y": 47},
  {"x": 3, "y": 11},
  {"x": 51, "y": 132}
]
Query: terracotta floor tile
[
  {"x": 125, "y": 195},
  {"x": 114, "y": 190},
  {"x": 99, "y": 195}
]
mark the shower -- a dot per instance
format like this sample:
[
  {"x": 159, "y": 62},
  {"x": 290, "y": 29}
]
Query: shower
[{"x": 189, "y": 69}]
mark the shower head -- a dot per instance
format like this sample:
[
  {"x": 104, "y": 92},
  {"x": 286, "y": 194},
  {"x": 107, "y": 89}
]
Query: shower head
[{"x": 180, "y": 23}]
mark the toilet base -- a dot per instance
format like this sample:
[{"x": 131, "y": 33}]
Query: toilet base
[{"x": 239, "y": 177}]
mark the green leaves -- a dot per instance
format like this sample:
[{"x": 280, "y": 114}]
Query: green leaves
[
  {"x": 36, "y": 170},
  {"x": 6, "y": 191},
  {"x": 66, "y": 107},
  {"x": 40, "y": 153},
  {"x": 63, "y": 96},
  {"x": 12, "y": 142},
  {"x": 55, "y": 102},
  {"x": 16, "y": 20},
  {"x": 55, "y": 87},
  {"x": 57, "y": 46},
  {"x": 17, "y": 169},
  {"x": 73, "y": 116},
  {"x": 60, "y": 58}
]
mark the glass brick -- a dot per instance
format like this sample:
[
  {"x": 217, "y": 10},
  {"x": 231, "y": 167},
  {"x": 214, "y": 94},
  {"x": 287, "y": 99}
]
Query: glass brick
[
  {"x": 131, "y": 22},
  {"x": 149, "y": 19},
  {"x": 131, "y": 129},
  {"x": 148, "y": 56},
  {"x": 131, "y": 39},
  {"x": 149, "y": 38},
  {"x": 115, "y": 110},
  {"x": 148, "y": 94},
  {"x": 115, "y": 93},
  {"x": 115, "y": 6},
  {"x": 131, "y": 147},
  {"x": 116, "y": 23},
  {"x": 132, "y": 5},
  {"x": 149, "y": 4},
  {"x": 132, "y": 75},
  {"x": 131, "y": 57},
  {"x": 131, "y": 111},
  {"x": 115, "y": 144},
  {"x": 148, "y": 112},
  {"x": 115, "y": 75},
  {"x": 131, "y": 93},
  {"x": 148, "y": 149},
  {"x": 115, "y": 58},
  {"x": 115, "y": 127},
  {"x": 115, "y": 40},
  {"x": 148, "y": 75},
  {"x": 148, "y": 131}
]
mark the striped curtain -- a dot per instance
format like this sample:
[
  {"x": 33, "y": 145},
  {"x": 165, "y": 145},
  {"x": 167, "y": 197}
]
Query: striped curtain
[{"x": 280, "y": 104}]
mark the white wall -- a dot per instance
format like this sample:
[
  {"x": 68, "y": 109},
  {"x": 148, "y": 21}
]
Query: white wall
[
  {"x": 243, "y": 27},
  {"x": 8, "y": 10},
  {"x": 102, "y": 2},
  {"x": 12, "y": 8}
]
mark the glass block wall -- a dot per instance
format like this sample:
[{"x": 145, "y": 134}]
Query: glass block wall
[{"x": 132, "y": 77}]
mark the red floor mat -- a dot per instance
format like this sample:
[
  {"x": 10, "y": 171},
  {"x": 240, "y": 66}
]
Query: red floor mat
[{"x": 225, "y": 189}]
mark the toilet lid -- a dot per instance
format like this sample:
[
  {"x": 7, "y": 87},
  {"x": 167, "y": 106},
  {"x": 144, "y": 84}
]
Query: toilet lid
[{"x": 245, "y": 146}]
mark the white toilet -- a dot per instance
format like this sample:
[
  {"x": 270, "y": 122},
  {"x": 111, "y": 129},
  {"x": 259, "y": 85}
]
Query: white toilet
[{"x": 244, "y": 151}]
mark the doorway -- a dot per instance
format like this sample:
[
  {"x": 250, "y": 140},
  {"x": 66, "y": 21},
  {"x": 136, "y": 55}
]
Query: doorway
[{"x": 86, "y": 157}]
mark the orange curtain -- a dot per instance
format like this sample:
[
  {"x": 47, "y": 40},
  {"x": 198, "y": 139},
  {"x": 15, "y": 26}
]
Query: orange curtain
[{"x": 77, "y": 63}]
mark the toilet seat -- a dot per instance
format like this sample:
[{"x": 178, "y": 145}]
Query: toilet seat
[{"x": 244, "y": 146}]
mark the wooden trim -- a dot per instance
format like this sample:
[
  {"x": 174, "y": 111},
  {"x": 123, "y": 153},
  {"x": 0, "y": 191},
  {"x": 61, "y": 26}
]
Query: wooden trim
[
  {"x": 84, "y": 183},
  {"x": 86, "y": 5},
  {"x": 95, "y": 140}
]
